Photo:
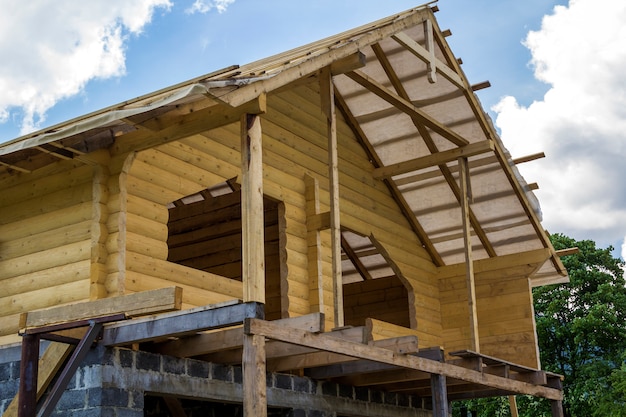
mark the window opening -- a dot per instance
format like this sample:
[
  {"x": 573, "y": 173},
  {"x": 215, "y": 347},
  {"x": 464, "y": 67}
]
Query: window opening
[{"x": 204, "y": 233}]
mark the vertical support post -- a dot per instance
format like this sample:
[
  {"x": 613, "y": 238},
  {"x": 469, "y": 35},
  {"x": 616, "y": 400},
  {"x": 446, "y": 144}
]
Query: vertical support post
[
  {"x": 557, "y": 408},
  {"x": 252, "y": 226},
  {"x": 440, "y": 395},
  {"x": 327, "y": 92},
  {"x": 29, "y": 368},
  {"x": 254, "y": 380},
  {"x": 466, "y": 195},
  {"x": 513, "y": 406}
]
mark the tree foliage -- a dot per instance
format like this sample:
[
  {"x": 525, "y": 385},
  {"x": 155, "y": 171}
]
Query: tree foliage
[{"x": 581, "y": 327}]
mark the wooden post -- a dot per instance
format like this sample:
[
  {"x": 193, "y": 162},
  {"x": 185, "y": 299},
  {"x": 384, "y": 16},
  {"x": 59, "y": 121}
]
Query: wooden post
[
  {"x": 469, "y": 262},
  {"x": 29, "y": 368},
  {"x": 252, "y": 227},
  {"x": 557, "y": 408},
  {"x": 254, "y": 380},
  {"x": 253, "y": 262},
  {"x": 440, "y": 395},
  {"x": 513, "y": 406},
  {"x": 327, "y": 92}
]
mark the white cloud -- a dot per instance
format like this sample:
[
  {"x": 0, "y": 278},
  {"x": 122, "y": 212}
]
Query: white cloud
[
  {"x": 580, "y": 123},
  {"x": 57, "y": 46},
  {"x": 205, "y": 6}
]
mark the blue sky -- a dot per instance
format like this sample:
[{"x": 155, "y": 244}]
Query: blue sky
[{"x": 128, "y": 48}]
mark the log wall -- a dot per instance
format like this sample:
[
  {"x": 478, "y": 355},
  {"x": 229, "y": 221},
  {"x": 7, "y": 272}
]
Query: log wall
[
  {"x": 45, "y": 241},
  {"x": 506, "y": 323},
  {"x": 96, "y": 232},
  {"x": 384, "y": 299}
]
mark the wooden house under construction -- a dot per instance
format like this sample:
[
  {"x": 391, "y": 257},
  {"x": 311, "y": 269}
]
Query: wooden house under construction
[{"x": 333, "y": 231}]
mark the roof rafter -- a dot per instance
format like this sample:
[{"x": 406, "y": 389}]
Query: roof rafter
[
  {"x": 404, "y": 105},
  {"x": 434, "y": 159}
]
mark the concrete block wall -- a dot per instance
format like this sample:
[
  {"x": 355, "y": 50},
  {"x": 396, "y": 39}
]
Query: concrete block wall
[{"x": 125, "y": 383}]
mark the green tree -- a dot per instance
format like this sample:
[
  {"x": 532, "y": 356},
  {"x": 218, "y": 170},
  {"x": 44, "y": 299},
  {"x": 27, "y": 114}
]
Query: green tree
[{"x": 581, "y": 327}]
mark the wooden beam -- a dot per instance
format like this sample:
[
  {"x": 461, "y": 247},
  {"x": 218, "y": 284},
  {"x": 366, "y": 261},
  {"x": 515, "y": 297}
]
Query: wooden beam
[
  {"x": 323, "y": 342},
  {"x": 407, "y": 107},
  {"x": 327, "y": 94},
  {"x": 178, "y": 324},
  {"x": 480, "y": 86},
  {"x": 252, "y": 230},
  {"x": 254, "y": 378},
  {"x": 431, "y": 64},
  {"x": 565, "y": 252},
  {"x": 188, "y": 125},
  {"x": 400, "y": 345},
  {"x": 354, "y": 258},
  {"x": 529, "y": 158},
  {"x": 469, "y": 260},
  {"x": 438, "y": 158},
  {"x": 532, "y": 258},
  {"x": 423, "y": 54},
  {"x": 349, "y": 63},
  {"x": 137, "y": 304}
]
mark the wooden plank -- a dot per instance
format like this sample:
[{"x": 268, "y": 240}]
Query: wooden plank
[
  {"x": 327, "y": 94},
  {"x": 138, "y": 304},
  {"x": 179, "y": 323},
  {"x": 323, "y": 342},
  {"x": 438, "y": 158},
  {"x": 252, "y": 231}
]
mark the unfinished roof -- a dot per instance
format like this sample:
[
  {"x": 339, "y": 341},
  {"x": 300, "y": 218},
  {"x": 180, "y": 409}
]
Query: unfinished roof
[{"x": 406, "y": 99}]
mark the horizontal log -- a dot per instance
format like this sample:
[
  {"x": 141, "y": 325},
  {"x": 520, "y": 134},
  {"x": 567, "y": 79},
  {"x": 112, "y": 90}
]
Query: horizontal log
[
  {"x": 58, "y": 256},
  {"x": 46, "y": 240},
  {"x": 46, "y": 278},
  {"x": 64, "y": 198},
  {"x": 184, "y": 275},
  {"x": 47, "y": 221},
  {"x": 192, "y": 295}
]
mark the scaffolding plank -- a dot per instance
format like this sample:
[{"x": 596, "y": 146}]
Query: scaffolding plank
[{"x": 141, "y": 303}]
